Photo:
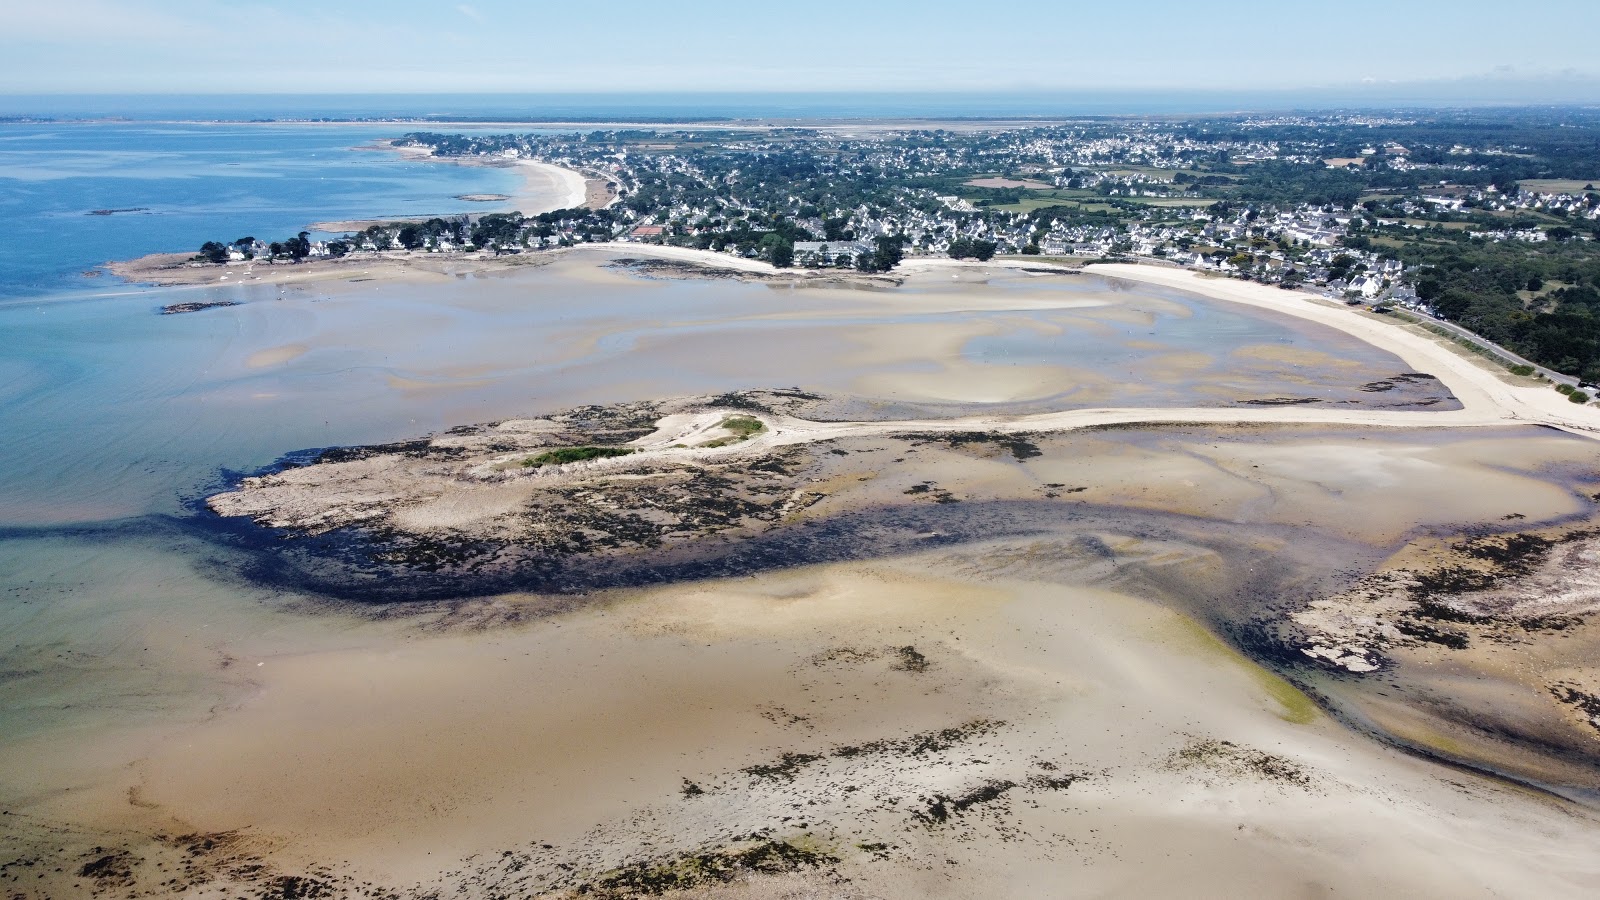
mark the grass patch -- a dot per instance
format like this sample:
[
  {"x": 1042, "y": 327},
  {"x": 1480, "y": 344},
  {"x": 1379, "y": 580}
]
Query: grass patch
[
  {"x": 563, "y": 455},
  {"x": 1173, "y": 202},
  {"x": 743, "y": 428},
  {"x": 1559, "y": 185}
]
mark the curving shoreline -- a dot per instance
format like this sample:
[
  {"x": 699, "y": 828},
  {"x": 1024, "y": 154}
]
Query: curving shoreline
[{"x": 1486, "y": 395}]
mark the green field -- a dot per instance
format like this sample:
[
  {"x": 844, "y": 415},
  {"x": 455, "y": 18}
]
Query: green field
[
  {"x": 1033, "y": 203},
  {"x": 1149, "y": 172},
  {"x": 1447, "y": 226},
  {"x": 1190, "y": 202},
  {"x": 1557, "y": 185}
]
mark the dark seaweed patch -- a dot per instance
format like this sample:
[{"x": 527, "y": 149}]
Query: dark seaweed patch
[
  {"x": 174, "y": 309},
  {"x": 1444, "y": 637},
  {"x": 1227, "y": 758},
  {"x": 790, "y": 765},
  {"x": 941, "y": 808},
  {"x": 693, "y": 870},
  {"x": 785, "y": 769},
  {"x": 1585, "y": 703},
  {"x": 911, "y": 660},
  {"x": 1020, "y": 447}
]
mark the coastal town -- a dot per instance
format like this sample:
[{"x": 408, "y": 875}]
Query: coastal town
[{"x": 1429, "y": 216}]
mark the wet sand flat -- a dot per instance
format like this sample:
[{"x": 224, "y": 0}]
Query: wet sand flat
[
  {"x": 968, "y": 614},
  {"x": 1123, "y": 751}
]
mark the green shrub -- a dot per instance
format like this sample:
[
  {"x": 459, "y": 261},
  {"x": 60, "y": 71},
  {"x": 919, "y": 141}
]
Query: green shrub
[
  {"x": 1565, "y": 388},
  {"x": 743, "y": 426},
  {"x": 562, "y": 455},
  {"x": 1578, "y": 397},
  {"x": 1522, "y": 370}
]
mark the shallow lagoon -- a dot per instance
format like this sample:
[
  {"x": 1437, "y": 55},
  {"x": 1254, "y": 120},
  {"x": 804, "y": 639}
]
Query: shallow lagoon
[{"x": 109, "y": 410}]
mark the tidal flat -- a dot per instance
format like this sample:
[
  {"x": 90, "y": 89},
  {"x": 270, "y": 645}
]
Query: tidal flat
[{"x": 310, "y": 626}]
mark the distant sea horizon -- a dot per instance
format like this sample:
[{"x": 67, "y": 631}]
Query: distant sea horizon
[{"x": 781, "y": 105}]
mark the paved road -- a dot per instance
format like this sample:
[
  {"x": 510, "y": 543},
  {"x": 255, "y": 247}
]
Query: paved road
[{"x": 1480, "y": 340}]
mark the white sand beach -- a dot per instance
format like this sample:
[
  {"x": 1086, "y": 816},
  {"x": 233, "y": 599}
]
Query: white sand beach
[{"x": 546, "y": 188}]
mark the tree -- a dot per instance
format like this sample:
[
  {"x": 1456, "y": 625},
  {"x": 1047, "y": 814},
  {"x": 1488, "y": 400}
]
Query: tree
[
  {"x": 888, "y": 252},
  {"x": 778, "y": 249},
  {"x": 411, "y": 237},
  {"x": 215, "y": 252}
]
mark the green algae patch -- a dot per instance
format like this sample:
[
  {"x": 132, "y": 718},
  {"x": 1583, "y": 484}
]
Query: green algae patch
[
  {"x": 1294, "y": 706},
  {"x": 562, "y": 455},
  {"x": 741, "y": 428}
]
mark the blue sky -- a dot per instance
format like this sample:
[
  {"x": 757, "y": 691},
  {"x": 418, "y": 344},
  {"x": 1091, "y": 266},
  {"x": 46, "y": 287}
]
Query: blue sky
[{"x": 238, "y": 46}]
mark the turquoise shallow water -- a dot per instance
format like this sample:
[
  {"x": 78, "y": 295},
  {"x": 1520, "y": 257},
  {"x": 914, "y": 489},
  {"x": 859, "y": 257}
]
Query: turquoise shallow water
[{"x": 181, "y": 185}]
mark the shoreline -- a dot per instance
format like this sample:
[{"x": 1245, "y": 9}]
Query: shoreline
[
  {"x": 1479, "y": 390},
  {"x": 546, "y": 187}
]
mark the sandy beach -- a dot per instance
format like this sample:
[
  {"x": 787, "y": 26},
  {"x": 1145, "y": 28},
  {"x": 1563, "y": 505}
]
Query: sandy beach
[
  {"x": 544, "y": 188},
  {"x": 1006, "y": 681}
]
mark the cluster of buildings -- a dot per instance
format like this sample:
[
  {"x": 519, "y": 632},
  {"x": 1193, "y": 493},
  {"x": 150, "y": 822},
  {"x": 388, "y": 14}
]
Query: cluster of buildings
[{"x": 844, "y": 189}]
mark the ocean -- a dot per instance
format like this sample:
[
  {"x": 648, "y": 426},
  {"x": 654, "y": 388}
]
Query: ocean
[{"x": 74, "y": 196}]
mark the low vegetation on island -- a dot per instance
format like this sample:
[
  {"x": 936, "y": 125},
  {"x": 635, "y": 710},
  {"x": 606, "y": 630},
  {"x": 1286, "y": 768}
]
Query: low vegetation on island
[{"x": 563, "y": 455}]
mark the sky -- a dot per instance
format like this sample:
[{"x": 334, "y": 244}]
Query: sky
[{"x": 1541, "y": 48}]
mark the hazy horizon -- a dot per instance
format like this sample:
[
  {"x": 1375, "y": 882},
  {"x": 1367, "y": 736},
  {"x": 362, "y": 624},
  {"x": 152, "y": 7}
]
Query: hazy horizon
[
  {"x": 780, "y": 105},
  {"x": 1448, "y": 52}
]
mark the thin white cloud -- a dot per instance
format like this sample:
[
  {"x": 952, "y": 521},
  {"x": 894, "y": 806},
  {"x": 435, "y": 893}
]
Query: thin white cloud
[
  {"x": 470, "y": 13},
  {"x": 96, "y": 20}
]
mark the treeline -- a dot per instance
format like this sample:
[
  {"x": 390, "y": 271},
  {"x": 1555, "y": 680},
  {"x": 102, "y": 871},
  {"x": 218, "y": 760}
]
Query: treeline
[
  {"x": 1543, "y": 305},
  {"x": 295, "y": 248}
]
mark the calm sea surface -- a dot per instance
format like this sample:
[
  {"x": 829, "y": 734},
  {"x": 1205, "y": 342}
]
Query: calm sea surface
[{"x": 173, "y": 187}]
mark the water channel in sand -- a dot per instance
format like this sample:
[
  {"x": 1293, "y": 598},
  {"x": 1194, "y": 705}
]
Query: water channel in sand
[{"x": 149, "y": 689}]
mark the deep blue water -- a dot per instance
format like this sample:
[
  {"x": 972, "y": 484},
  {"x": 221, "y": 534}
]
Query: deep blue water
[{"x": 193, "y": 183}]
